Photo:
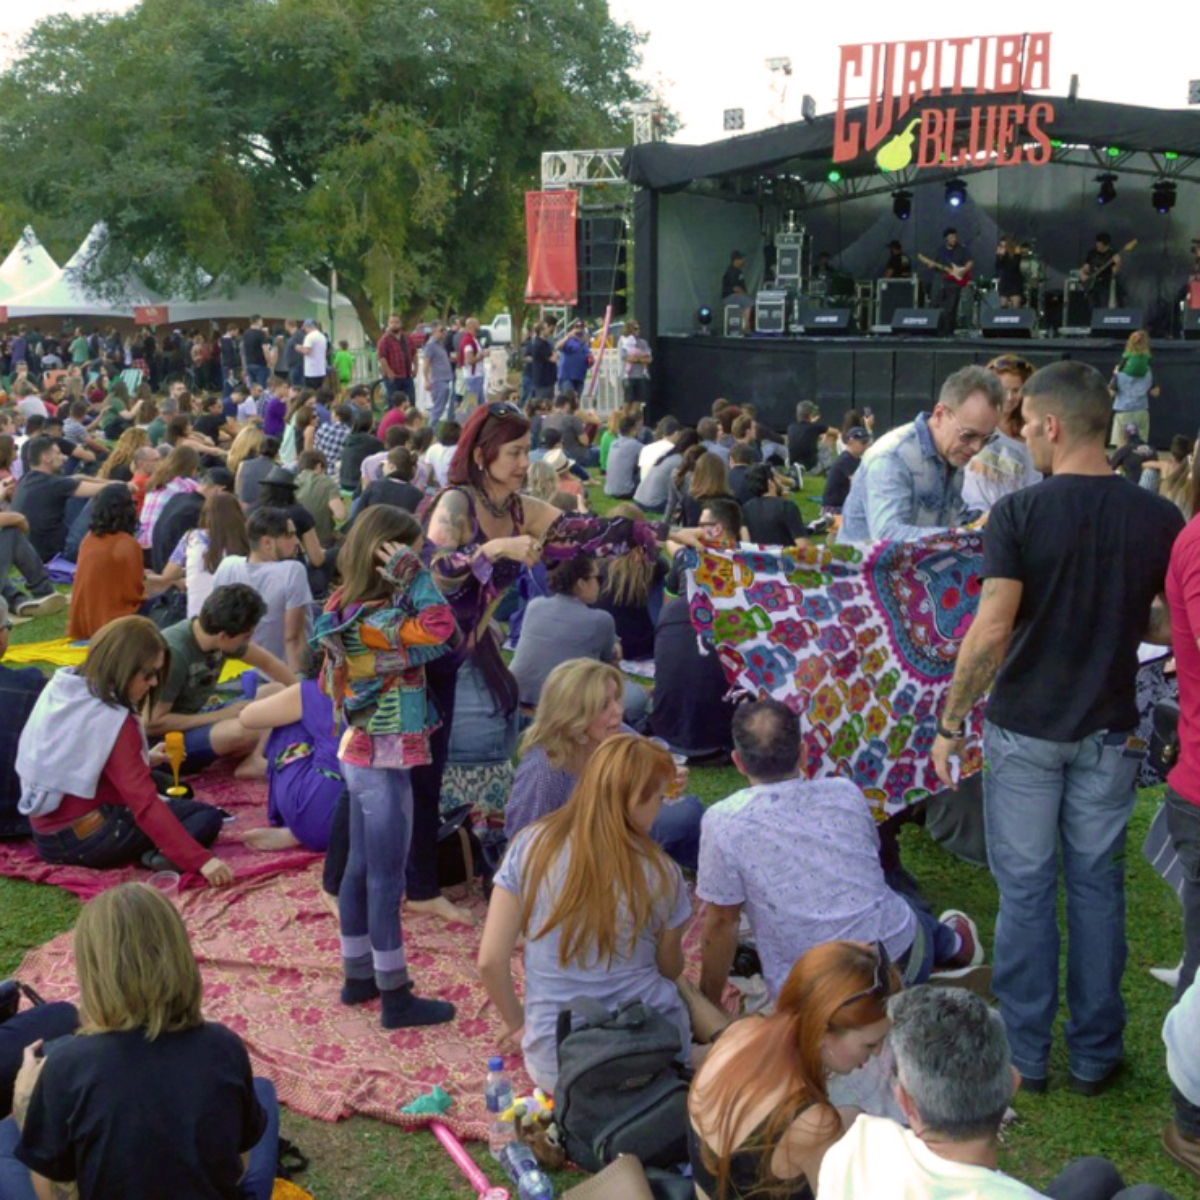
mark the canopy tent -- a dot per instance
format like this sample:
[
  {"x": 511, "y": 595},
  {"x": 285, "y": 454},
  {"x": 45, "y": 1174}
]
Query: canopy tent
[
  {"x": 64, "y": 294},
  {"x": 27, "y": 266}
]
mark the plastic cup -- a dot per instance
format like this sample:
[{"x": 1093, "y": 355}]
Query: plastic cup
[{"x": 166, "y": 883}]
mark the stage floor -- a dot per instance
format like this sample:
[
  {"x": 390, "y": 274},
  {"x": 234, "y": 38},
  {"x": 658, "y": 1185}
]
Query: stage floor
[{"x": 897, "y": 377}]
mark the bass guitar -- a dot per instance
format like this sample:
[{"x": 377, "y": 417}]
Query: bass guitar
[
  {"x": 1092, "y": 277},
  {"x": 959, "y": 276}
]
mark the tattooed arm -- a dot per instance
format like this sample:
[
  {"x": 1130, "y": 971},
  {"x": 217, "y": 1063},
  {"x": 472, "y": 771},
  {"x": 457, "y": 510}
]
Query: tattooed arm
[{"x": 979, "y": 660}]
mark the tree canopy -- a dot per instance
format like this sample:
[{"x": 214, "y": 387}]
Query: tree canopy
[{"x": 389, "y": 140}]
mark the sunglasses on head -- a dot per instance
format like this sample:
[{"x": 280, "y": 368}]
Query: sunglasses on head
[
  {"x": 1010, "y": 364},
  {"x": 881, "y": 981},
  {"x": 503, "y": 408}
]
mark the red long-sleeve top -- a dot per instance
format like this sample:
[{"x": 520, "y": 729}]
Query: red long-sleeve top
[{"x": 126, "y": 781}]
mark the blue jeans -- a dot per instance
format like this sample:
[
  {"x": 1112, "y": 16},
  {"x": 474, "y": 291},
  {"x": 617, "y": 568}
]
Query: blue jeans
[
  {"x": 256, "y": 1184},
  {"x": 1035, "y": 793},
  {"x": 937, "y": 944},
  {"x": 440, "y": 394},
  {"x": 1096, "y": 1178},
  {"x": 259, "y": 375},
  {"x": 381, "y": 813},
  {"x": 399, "y": 387},
  {"x": 480, "y": 734}
]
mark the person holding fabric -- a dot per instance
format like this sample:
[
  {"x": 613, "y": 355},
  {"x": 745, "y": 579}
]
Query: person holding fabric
[
  {"x": 148, "y": 1098},
  {"x": 99, "y": 806},
  {"x": 602, "y": 908},
  {"x": 581, "y": 707},
  {"x": 377, "y": 632},
  {"x": 480, "y": 532}
]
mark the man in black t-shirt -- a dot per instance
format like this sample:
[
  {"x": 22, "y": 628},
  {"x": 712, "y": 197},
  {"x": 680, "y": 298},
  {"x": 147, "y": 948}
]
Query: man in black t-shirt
[
  {"x": 837, "y": 481},
  {"x": 543, "y": 370},
  {"x": 804, "y": 435},
  {"x": 733, "y": 282},
  {"x": 1100, "y": 273},
  {"x": 898, "y": 265},
  {"x": 211, "y": 421},
  {"x": 1074, "y": 570},
  {"x": 254, "y": 352},
  {"x": 1133, "y": 455},
  {"x": 43, "y": 493}
]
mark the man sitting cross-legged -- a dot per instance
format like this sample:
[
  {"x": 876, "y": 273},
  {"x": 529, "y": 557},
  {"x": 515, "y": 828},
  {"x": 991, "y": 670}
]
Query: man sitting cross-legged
[
  {"x": 954, "y": 1080},
  {"x": 199, "y": 649},
  {"x": 802, "y": 857}
]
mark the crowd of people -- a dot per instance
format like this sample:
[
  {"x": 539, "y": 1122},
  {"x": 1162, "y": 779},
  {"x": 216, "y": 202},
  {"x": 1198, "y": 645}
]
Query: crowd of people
[{"x": 420, "y": 599}]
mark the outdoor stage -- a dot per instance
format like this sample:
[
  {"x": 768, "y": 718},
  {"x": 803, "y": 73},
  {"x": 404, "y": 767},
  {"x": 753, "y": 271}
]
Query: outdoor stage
[{"x": 895, "y": 376}]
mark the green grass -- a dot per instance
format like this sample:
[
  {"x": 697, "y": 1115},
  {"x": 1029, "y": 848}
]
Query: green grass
[{"x": 361, "y": 1159}]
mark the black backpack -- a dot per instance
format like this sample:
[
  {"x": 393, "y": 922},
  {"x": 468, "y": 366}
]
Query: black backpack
[{"x": 620, "y": 1087}]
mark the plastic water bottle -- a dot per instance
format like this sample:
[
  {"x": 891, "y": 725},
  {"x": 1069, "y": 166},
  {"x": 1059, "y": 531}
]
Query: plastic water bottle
[
  {"x": 521, "y": 1167},
  {"x": 498, "y": 1096}
]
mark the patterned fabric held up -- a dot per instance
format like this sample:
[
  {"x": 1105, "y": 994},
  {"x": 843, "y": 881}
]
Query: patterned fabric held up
[{"x": 860, "y": 640}]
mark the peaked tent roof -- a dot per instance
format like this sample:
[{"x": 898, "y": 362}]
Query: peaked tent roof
[
  {"x": 64, "y": 294},
  {"x": 27, "y": 266},
  {"x": 299, "y": 295}
]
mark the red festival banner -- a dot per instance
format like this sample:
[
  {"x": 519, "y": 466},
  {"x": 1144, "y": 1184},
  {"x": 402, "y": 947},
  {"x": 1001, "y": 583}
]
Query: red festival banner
[
  {"x": 150, "y": 314},
  {"x": 550, "y": 239},
  {"x": 3, "y": 315}
]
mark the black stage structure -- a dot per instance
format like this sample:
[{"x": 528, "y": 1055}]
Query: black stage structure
[{"x": 694, "y": 204}]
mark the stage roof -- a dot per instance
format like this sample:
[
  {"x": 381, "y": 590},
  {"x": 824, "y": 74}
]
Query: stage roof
[{"x": 800, "y": 147}]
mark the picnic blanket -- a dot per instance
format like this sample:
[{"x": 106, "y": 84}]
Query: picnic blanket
[
  {"x": 859, "y": 640},
  {"x": 245, "y": 800}
]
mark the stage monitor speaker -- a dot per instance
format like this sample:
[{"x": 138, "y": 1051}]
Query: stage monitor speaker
[
  {"x": 770, "y": 312},
  {"x": 892, "y": 295},
  {"x": 828, "y": 321},
  {"x": 1008, "y": 322},
  {"x": 1116, "y": 322},
  {"x": 787, "y": 263},
  {"x": 1191, "y": 324},
  {"x": 735, "y": 320},
  {"x": 918, "y": 322}
]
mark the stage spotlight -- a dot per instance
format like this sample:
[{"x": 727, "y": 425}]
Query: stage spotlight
[
  {"x": 1163, "y": 196},
  {"x": 956, "y": 193},
  {"x": 834, "y": 176},
  {"x": 902, "y": 204},
  {"x": 704, "y": 316},
  {"x": 1108, "y": 188}
]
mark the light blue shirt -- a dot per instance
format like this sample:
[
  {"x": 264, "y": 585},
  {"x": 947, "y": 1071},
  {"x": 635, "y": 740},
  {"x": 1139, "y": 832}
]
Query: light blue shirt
[
  {"x": 903, "y": 490},
  {"x": 1133, "y": 391}
]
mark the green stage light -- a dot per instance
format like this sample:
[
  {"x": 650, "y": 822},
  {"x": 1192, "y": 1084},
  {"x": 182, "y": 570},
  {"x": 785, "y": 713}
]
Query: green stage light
[
  {"x": 1170, "y": 155},
  {"x": 1056, "y": 143},
  {"x": 834, "y": 176},
  {"x": 1113, "y": 151}
]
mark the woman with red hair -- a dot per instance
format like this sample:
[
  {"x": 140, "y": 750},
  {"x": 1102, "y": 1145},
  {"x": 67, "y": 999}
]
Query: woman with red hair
[
  {"x": 760, "y": 1114},
  {"x": 480, "y": 533}
]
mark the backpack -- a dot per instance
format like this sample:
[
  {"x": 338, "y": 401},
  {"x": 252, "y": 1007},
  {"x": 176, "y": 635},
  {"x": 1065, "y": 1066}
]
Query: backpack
[{"x": 620, "y": 1089}]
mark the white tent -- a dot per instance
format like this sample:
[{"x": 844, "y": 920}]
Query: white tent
[
  {"x": 27, "y": 266},
  {"x": 63, "y": 294}
]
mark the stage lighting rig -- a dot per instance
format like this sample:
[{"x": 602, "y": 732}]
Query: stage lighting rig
[
  {"x": 956, "y": 193},
  {"x": 1108, "y": 188},
  {"x": 902, "y": 204},
  {"x": 1163, "y": 196},
  {"x": 704, "y": 318}
]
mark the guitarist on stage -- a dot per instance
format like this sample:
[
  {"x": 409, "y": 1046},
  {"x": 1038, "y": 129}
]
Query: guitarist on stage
[
  {"x": 1100, "y": 271},
  {"x": 952, "y": 268}
]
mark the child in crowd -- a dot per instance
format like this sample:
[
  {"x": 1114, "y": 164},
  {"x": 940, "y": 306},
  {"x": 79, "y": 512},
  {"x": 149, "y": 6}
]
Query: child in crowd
[
  {"x": 387, "y": 620},
  {"x": 343, "y": 364}
]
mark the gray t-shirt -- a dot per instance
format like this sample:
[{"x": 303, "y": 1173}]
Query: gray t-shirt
[
  {"x": 621, "y": 476},
  {"x": 803, "y": 858},
  {"x": 571, "y": 428},
  {"x": 282, "y": 585},
  {"x": 655, "y": 487},
  {"x": 555, "y": 629},
  {"x": 440, "y": 370},
  {"x": 632, "y": 975}
]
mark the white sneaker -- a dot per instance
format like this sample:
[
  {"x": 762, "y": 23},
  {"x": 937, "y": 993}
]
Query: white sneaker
[
  {"x": 42, "y": 606},
  {"x": 1168, "y": 975},
  {"x": 957, "y": 919}
]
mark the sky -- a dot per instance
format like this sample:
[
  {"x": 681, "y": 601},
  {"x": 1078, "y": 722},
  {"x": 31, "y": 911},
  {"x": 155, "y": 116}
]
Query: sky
[{"x": 709, "y": 55}]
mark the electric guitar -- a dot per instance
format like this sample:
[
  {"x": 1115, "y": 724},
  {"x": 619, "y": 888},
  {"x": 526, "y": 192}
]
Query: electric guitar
[
  {"x": 959, "y": 276},
  {"x": 1092, "y": 276}
]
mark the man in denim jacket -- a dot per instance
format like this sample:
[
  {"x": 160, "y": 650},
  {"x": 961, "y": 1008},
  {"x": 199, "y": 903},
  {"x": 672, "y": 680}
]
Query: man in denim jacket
[{"x": 910, "y": 481}]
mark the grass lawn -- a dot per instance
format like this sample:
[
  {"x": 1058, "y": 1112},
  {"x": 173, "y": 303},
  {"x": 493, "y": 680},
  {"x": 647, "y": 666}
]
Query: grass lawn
[{"x": 362, "y": 1159}]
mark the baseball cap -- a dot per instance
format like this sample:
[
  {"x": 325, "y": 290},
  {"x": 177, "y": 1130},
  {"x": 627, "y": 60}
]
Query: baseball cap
[
  {"x": 1130, "y": 429},
  {"x": 309, "y": 323},
  {"x": 857, "y": 434}
]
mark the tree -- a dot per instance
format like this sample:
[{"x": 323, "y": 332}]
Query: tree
[{"x": 390, "y": 141}]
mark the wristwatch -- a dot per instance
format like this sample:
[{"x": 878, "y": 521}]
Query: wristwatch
[{"x": 952, "y": 734}]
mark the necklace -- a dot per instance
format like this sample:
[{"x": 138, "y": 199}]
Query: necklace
[{"x": 497, "y": 510}]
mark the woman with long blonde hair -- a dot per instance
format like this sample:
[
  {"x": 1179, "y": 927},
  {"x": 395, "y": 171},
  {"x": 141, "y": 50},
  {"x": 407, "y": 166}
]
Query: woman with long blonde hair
[
  {"x": 148, "y": 1098},
  {"x": 123, "y": 454},
  {"x": 601, "y": 907},
  {"x": 760, "y": 1114},
  {"x": 244, "y": 446}
]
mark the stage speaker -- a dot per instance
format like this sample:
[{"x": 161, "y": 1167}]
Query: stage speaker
[
  {"x": 770, "y": 312},
  {"x": 918, "y": 322},
  {"x": 1116, "y": 322},
  {"x": 735, "y": 320},
  {"x": 601, "y": 255},
  {"x": 787, "y": 262},
  {"x": 1191, "y": 324},
  {"x": 827, "y": 321},
  {"x": 894, "y": 294},
  {"x": 1008, "y": 322}
]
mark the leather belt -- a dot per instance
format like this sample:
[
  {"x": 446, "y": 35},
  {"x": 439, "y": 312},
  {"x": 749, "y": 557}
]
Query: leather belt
[{"x": 89, "y": 823}]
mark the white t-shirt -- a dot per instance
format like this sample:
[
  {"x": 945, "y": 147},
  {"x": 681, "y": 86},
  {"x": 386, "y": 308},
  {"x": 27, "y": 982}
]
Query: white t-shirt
[
  {"x": 439, "y": 457},
  {"x": 248, "y": 409},
  {"x": 651, "y": 454},
  {"x": 316, "y": 361},
  {"x": 877, "y": 1157},
  {"x": 282, "y": 585},
  {"x": 189, "y": 554}
]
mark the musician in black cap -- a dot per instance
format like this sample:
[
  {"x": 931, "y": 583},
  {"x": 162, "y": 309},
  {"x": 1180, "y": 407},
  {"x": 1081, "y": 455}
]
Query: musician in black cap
[
  {"x": 1099, "y": 273},
  {"x": 733, "y": 282},
  {"x": 898, "y": 265}
]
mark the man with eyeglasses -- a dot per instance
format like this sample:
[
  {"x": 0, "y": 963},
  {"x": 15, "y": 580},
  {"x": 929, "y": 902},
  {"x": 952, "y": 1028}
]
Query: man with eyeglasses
[
  {"x": 1074, "y": 571},
  {"x": 910, "y": 481}
]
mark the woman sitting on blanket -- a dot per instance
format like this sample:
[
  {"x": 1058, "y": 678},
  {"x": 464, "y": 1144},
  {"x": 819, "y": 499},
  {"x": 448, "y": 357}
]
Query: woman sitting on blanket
[
  {"x": 601, "y": 907},
  {"x": 761, "y": 1117},
  {"x": 632, "y": 593},
  {"x": 85, "y": 770},
  {"x": 149, "y": 1099},
  {"x": 581, "y": 706}
]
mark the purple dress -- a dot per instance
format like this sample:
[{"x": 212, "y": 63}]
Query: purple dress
[{"x": 303, "y": 773}]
